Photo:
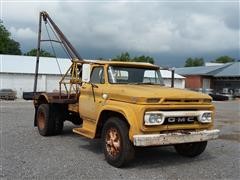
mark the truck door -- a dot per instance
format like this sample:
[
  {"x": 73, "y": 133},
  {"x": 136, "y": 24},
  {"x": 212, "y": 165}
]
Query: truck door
[{"x": 91, "y": 94}]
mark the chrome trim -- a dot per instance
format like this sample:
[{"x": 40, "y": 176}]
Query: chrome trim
[
  {"x": 174, "y": 138},
  {"x": 166, "y": 114}
]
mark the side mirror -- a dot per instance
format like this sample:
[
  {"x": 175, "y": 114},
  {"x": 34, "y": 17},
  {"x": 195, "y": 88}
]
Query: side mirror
[{"x": 86, "y": 72}]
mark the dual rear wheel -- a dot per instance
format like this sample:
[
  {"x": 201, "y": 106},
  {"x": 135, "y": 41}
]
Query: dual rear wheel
[{"x": 50, "y": 119}]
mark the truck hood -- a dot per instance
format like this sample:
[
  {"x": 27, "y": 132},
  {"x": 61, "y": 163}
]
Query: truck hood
[{"x": 145, "y": 94}]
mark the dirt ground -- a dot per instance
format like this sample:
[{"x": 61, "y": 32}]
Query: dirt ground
[{"x": 26, "y": 154}]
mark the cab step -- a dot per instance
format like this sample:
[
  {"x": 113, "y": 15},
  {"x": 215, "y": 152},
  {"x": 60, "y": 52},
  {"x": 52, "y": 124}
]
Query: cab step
[
  {"x": 84, "y": 132},
  {"x": 88, "y": 129}
]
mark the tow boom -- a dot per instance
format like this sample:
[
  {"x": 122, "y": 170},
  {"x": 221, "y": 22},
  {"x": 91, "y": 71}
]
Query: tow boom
[{"x": 61, "y": 38}]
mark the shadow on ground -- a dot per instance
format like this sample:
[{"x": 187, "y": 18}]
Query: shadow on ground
[{"x": 145, "y": 157}]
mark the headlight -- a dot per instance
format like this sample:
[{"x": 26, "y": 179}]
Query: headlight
[
  {"x": 206, "y": 117},
  {"x": 151, "y": 118}
]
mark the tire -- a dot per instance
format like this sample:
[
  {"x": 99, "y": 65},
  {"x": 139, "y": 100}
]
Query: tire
[
  {"x": 58, "y": 117},
  {"x": 44, "y": 123},
  {"x": 191, "y": 149},
  {"x": 58, "y": 126},
  {"x": 117, "y": 147}
]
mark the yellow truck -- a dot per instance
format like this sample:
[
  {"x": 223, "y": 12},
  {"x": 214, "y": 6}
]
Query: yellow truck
[{"x": 126, "y": 105}]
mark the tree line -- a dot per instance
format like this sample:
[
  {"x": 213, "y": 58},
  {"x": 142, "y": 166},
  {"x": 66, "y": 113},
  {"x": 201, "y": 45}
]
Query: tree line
[
  {"x": 7, "y": 44},
  {"x": 125, "y": 56},
  {"x": 10, "y": 46},
  {"x": 191, "y": 62}
]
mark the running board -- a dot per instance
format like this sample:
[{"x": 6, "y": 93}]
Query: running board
[
  {"x": 84, "y": 132},
  {"x": 87, "y": 129}
]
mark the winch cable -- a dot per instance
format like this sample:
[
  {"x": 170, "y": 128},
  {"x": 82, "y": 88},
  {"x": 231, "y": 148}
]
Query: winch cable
[
  {"x": 53, "y": 50},
  {"x": 60, "y": 41}
]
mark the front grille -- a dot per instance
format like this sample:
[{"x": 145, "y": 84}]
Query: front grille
[{"x": 179, "y": 120}]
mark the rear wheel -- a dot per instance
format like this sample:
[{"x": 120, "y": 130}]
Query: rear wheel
[
  {"x": 117, "y": 147},
  {"x": 50, "y": 119},
  {"x": 44, "y": 123},
  {"x": 191, "y": 149},
  {"x": 58, "y": 116}
]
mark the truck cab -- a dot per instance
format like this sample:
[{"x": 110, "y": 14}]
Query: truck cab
[{"x": 127, "y": 105}]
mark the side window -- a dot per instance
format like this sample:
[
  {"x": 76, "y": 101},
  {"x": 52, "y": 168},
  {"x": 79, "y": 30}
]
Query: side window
[{"x": 97, "y": 75}]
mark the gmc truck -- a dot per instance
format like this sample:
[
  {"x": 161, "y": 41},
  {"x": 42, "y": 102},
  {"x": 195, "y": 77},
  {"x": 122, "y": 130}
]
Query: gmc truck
[{"x": 126, "y": 105}]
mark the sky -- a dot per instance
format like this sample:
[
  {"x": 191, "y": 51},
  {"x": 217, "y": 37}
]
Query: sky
[{"x": 169, "y": 31}]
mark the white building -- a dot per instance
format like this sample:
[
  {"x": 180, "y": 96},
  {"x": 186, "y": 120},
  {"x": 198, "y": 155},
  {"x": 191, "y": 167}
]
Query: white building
[
  {"x": 179, "y": 81},
  {"x": 17, "y": 73}
]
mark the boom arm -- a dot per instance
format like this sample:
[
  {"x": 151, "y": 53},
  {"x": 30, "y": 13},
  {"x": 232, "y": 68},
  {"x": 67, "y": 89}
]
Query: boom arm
[
  {"x": 43, "y": 16},
  {"x": 69, "y": 47}
]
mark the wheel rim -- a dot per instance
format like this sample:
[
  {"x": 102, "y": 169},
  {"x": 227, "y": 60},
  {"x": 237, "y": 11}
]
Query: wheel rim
[
  {"x": 41, "y": 120},
  {"x": 113, "y": 142}
]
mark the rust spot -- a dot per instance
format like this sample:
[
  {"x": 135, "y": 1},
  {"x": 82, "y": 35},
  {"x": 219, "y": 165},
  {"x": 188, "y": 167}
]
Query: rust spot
[
  {"x": 41, "y": 120},
  {"x": 113, "y": 143}
]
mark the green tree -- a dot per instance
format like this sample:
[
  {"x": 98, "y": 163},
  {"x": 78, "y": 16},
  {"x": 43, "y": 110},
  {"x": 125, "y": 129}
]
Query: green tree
[
  {"x": 126, "y": 57},
  {"x": 143, "y": 59},
  {"x": 43, "y": 53},
  {"x": 191, "y": 62},
  {"x": 122, "y": 57},
  {"x": 8, "y": 45},
  {"x": 224, "y": 59}
]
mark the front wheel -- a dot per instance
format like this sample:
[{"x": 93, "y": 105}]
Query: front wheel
[
  {"x": 117, "y": 147},
  {"x": 191, "y": 149}
]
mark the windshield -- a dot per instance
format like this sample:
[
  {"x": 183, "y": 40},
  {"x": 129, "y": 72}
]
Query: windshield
[{"x": 134, "y": 75}]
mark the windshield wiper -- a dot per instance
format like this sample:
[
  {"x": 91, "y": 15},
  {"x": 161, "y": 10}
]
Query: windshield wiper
[{"x": 147, "y": 83}]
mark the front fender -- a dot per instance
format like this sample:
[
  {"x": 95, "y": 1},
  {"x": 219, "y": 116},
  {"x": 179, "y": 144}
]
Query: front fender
[{"x": 128, "y": 111}]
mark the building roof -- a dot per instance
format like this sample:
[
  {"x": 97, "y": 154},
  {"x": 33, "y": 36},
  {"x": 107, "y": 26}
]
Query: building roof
[
  {"x": 26, "y": 64},
  {"x": 225, "y": 70},
  {"x": 233, "y": 70},
  {"x": 47, "y": 65}
]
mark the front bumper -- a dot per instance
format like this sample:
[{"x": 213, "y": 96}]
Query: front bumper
[{"x": 174, "y": 138}]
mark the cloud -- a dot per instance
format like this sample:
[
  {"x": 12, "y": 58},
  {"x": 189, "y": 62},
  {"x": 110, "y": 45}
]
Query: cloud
[
  {"x": 206, "y": 33},
  {"x": 23, "y": 33},
  {"x": 146, "y": 28}
]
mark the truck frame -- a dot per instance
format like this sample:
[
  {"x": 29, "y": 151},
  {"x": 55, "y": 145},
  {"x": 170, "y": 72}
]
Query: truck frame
[{"x": 123, "y": 103}]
